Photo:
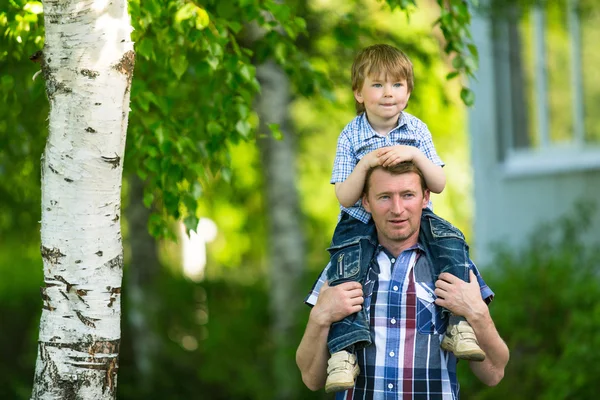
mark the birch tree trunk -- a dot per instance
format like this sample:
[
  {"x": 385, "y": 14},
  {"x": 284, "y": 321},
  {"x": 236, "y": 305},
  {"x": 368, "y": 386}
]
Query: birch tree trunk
[
  {"x": 87, "y": 63},
  {"x": 286, "y": 240}
]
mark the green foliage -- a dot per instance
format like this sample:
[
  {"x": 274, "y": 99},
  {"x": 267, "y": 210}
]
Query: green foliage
[
  {"x": 193, "y": 92},
  {"x": 21, "y": 272},
  {"x": 454, "y": 22},
  {"x": 547, "y": 310}
]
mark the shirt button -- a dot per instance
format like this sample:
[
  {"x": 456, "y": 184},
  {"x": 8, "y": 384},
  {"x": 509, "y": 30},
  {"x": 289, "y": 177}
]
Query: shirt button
[
  {"x": 393, "y": 321},
  {"x": 390, "y": 386},
  {"x": 392, "y": 354},
  {"x": 393, "y": 260},
  {"x": 395, "y": 288}
]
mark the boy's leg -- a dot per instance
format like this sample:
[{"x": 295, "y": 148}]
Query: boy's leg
[
  {"x": 351, "y": 251},
  {"x": 448, "y": 252}
]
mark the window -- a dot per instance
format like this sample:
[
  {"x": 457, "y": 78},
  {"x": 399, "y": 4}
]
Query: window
[{"x": 547, "y": 84}]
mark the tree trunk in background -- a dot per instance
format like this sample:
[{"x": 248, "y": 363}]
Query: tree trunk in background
[
  {"x": 140, "y": 284},
  {"x": 286, "y": 241},
  {"x": 87, "y": 63}
]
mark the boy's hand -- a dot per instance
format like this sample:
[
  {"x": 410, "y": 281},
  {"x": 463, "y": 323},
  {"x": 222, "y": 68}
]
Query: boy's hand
[
  {"x": 393, "y": 155},
  {"x": 372, "y": 159}
]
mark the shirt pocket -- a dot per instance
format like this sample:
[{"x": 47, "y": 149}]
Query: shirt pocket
[{"x": 429, "y": 315}]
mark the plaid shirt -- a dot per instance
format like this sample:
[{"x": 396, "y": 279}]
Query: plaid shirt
[
  {"x": 405, "y": 360},
  {"x": 358, "y": 139}
]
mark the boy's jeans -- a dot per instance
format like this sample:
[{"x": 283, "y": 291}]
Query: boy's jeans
[{"x": 352, "y": 250}]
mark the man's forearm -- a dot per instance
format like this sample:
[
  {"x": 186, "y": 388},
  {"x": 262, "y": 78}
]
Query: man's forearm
[
  {"x": 312, "y": 354},
  {"x": 491, "y": 370}
]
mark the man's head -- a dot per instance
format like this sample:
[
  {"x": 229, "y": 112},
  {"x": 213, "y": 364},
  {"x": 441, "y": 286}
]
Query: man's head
[
  {"x": 395, "y": 196},
  {"x": 380, "y": 61}
]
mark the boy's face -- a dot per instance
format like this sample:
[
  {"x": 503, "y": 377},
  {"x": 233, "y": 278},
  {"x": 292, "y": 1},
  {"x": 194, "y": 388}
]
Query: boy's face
[{"x": 383, "y": 98}]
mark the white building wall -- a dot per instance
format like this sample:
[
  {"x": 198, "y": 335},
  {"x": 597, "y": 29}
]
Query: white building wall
[{"x": 512, "y": 199}]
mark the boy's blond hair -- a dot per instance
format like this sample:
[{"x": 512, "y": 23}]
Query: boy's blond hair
[{"x": 380, "y": 59}]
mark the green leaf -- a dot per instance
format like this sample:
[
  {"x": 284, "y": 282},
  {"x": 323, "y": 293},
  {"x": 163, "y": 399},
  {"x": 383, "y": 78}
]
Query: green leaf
[
  {"x": 243, "y": 127},
  {"x": 186, "y": 12},
  {"x": 148, "y": 198},
  {"x": 467, "y": 96},
  {"x": 202, "y": 18},
  {"x": 34, "y": 7},
  {"x": 452, "y": 75},
  {"x": 179, "y": 65},
  {"x": 275, "y": 131}
]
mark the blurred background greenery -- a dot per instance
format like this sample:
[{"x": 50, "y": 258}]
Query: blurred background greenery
[{"x": 204, "y": 330}]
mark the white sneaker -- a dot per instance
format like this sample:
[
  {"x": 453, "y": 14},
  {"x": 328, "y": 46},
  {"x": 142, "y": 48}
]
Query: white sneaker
[
  {"x": 342, "y": 370},
  {"x": 460, "y": 339}
]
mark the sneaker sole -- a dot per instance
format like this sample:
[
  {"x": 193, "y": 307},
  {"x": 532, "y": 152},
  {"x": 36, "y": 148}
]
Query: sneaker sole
[
  {"x": 468, "y": 355},
  {"x": 338, "y": 386}
]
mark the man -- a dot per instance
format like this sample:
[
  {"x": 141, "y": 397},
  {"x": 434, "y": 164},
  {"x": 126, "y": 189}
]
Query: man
[{"x": 405, "y": 359}]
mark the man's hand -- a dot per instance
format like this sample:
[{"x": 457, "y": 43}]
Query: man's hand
[
  {"x": 337, "y": 302},
  {"x": 393, "y": 155},
  {"x": 460, "y": 297}
]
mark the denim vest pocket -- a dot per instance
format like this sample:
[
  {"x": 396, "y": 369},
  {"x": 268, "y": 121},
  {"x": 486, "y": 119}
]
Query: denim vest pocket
[
  {"x": 429, "y": 316},
  {"x": 441, "y": 229},
  {"x": 345, "y": 262}
]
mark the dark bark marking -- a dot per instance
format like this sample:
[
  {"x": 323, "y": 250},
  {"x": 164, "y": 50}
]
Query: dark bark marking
[
  {"x": 116, "y": 218},
  {"x": 114, "y": 161},
  {"x": 115, "y": 262},
  {"x": 77, "y": 261},
  {"x": 99, "y": 253},
  {"x": 64, "y": 294},
  {"x": 114, "y": 292},
  {"x": 89, "y": 73},
  {"x": 63, "y": 280},
  {"x": 51, "y": 168},
  {"x": 68, "y": 180},
  {"x": 97, "y": 104},
  {"x": 52, "y": 255},
  {"x": 90, "y": 129},
  {"x": 126, "y": 64},
  {"x": 48, "y": 209},
  {"x": 53, "y": 202},
  {"x": 46, "y": 300},
  {"x": 37, "y": 57},
  {"x": 85, "y": 320}
]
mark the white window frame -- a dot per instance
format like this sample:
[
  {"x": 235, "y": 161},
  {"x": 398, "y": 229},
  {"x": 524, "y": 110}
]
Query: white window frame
[{"x": 547, "y": 158}]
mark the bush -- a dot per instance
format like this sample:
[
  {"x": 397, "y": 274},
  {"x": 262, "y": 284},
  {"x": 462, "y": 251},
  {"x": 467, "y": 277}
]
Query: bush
[{"x": 547, "y": 311}]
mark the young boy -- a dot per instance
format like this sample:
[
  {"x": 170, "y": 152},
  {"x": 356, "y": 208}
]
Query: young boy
[{"x": 382, "y": 134}]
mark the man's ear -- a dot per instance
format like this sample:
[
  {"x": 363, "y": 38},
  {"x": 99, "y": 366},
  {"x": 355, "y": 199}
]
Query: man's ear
[
  {"x": 426, "y": 195},
  {"x": 365, "y": 202}
]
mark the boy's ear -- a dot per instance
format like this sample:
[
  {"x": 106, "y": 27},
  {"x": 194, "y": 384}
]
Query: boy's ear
[{"x": 358, "y": 96}]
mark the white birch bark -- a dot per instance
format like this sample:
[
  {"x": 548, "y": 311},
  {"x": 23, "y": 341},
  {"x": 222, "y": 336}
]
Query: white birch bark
[
  {"x": 286, "y": 239},
  {"x": 88, "y": 64}
]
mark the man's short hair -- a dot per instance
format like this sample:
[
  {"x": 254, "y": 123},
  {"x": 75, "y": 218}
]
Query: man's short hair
[{"x": 404, "y": 167}]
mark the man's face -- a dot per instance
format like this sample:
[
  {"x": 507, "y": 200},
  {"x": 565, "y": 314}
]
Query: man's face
[{"x": 396, "y": 203}]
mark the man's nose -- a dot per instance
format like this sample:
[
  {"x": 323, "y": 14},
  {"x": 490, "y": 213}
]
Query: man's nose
[{"x": 397, "y": 206}]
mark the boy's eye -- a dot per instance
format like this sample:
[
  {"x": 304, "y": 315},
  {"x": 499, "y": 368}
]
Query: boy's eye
[
  {"x": 398, "y": 84},
  {"x": 377, "y": 85}
]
